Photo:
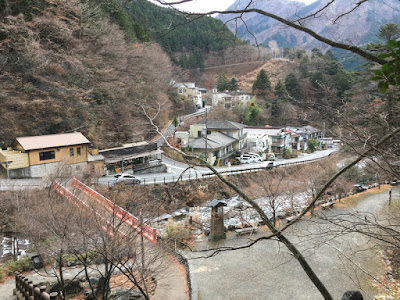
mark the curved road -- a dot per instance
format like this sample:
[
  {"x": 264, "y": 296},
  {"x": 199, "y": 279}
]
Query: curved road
[{"x": 178, "y": 170}]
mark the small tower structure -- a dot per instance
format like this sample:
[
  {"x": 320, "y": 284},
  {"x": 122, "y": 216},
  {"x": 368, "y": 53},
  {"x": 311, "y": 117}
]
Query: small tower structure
[{"x": 217, "y": 230}]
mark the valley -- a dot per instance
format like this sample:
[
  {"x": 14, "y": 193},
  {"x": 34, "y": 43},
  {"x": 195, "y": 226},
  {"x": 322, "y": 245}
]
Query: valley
[{"x": 151, "y": 153}]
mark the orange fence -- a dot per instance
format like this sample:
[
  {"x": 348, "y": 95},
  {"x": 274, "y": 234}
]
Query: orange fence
[
  {"x": 122, "y": 214},
  {"x": 107, "y": 226}
]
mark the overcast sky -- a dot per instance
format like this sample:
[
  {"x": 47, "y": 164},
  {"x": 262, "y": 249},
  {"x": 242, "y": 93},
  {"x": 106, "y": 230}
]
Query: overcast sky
[{"x": 211, "y": 5}]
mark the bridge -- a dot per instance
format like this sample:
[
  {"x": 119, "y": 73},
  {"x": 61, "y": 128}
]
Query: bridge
[{"x": 88, "y": 196}]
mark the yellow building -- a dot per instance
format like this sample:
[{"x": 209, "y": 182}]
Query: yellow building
[{"x": 38, "y": 156}]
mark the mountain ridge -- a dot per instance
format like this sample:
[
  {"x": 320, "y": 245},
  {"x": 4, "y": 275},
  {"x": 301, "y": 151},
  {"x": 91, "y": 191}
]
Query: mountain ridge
[{"x": 358, "y": 27}]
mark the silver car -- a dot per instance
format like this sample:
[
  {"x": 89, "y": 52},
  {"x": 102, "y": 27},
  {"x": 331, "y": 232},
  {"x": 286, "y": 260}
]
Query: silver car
[{"x": 127, "y": 179}]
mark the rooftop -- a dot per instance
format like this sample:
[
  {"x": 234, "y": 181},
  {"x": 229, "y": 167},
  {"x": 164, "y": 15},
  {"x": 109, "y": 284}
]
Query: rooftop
[
  {"x": 215, "y": 140},
  {"x": 52, "y": 140},
  {"x": 217, "y": 124}
]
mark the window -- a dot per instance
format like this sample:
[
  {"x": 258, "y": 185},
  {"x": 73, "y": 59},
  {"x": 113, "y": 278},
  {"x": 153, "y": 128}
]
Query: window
[
  {"x": 71, "y": 151},
  {"x": 199, "y": 133},
  {"x": 230, "y": 133},
  {"x": 47, "y": 155},
  {"x": 78, "y": 151}
]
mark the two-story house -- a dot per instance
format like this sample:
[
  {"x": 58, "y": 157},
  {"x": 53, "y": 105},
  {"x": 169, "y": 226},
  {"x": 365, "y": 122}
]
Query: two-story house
[
  {"x": 267, "y": 139},
  {"x": 190, "y": 91},
  {"x": 231, "y": 99},
  {"x": 306, "y": 133},
  {"x": 217, "y": 140},
  {"x": 38, "y": 156}
]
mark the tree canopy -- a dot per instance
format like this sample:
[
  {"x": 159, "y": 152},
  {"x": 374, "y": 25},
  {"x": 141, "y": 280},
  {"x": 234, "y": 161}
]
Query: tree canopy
[{"x": 262, "y": 85}]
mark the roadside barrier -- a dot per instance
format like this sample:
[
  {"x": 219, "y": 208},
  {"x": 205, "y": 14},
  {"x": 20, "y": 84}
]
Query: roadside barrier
[{"x": 198, "y": 175}]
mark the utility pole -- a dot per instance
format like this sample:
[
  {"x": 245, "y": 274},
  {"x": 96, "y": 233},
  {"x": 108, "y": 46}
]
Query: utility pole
[
  {"x": 7, "y": 163},
  {"x": 205, "y": 124}
]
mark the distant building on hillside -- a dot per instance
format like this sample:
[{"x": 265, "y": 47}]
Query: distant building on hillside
[
  {"x": 189, "y": 91},
  {"x": 231, "y": 99}
]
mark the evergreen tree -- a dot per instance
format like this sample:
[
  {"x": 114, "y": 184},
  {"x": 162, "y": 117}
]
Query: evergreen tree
[
  {"x": 281, "y": 92},
  {"x": 262, "y": 84},
  {"x": 303, "y": 67},
  {"x": 251, "y": 114},
  {"x": 183, "y": 61},
  {"x": 292, "y": 86},
  {"x": 222, "y": 83},
  {"x": 233, "y": 85},
  {"x": 317, "y": 79}
]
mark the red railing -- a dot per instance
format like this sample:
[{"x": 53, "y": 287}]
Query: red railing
[
  {"x": 107, "y": 226},
  {"x": 147, "y": 231}
]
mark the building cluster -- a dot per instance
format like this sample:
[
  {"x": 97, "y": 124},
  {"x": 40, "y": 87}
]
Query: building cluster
[
  {"x": 202, "y": 96},
  {"x": 218, "y": 141}
]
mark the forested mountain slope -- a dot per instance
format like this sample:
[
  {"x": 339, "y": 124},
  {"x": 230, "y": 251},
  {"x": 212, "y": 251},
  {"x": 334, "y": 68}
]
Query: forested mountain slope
[
  {"x": 64, "y": 65},
  {"x": 184, "y": 38}
]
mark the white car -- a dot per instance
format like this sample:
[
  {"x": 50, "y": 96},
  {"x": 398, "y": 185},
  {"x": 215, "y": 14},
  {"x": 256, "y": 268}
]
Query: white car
[
  {"x": 256, "y": 156},
  {"x": 245, "y": 159},
  {"x": 127, "y": 178}
]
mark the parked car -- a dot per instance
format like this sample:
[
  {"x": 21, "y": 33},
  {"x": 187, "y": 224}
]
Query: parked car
[
  {"x": 270, "y": 165},
  {"x": 127, "y": 179},
  {"x": 256, "y": 156},
  {"x": 358, "y": 188},
  {"x": 245, "y": 159},
  {"x": 271, "y": 156},
  {"x": 394, "y": 182}
]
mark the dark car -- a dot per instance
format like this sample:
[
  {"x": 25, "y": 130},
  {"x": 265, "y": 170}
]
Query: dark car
[
  {"x": 270, "y": 165},
  {"x": 358, "y": 188}
]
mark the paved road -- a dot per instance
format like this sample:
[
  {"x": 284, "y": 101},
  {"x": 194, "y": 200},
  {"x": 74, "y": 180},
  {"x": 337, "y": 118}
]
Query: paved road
[
  {"x": 267, "y": 271},
  {"x": 183, "y": 172}
]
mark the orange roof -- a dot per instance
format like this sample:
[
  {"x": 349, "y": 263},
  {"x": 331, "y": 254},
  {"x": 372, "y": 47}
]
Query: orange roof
[{"x": 52, "y": 140}]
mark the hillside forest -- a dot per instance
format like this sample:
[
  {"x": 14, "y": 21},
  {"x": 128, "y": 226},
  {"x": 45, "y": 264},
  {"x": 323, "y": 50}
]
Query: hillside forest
[{"x": 94, "y": 65}]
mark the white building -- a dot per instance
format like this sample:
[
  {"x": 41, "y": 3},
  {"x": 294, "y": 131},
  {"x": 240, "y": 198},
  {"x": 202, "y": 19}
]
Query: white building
[
  {"x": 190, "y": 91},
  {"x": 230, "y": 99}
]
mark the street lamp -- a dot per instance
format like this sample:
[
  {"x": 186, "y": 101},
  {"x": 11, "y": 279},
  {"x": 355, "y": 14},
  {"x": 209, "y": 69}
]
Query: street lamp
[{"x": 7, "y": 163}]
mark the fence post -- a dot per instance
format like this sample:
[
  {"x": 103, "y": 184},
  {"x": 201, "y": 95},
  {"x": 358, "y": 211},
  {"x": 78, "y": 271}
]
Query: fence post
[
  {"x": 154, "y": 180},
  {"x": 26, "y": 293},
  {"x": 164, "y": 179},
  {"x": 36, "y": 292},
  {"x": 30, "y": 289}
]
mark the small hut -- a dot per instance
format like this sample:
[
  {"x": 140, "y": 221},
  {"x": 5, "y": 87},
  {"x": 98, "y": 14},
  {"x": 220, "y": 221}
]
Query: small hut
[{"x": 217, "y": 230}]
